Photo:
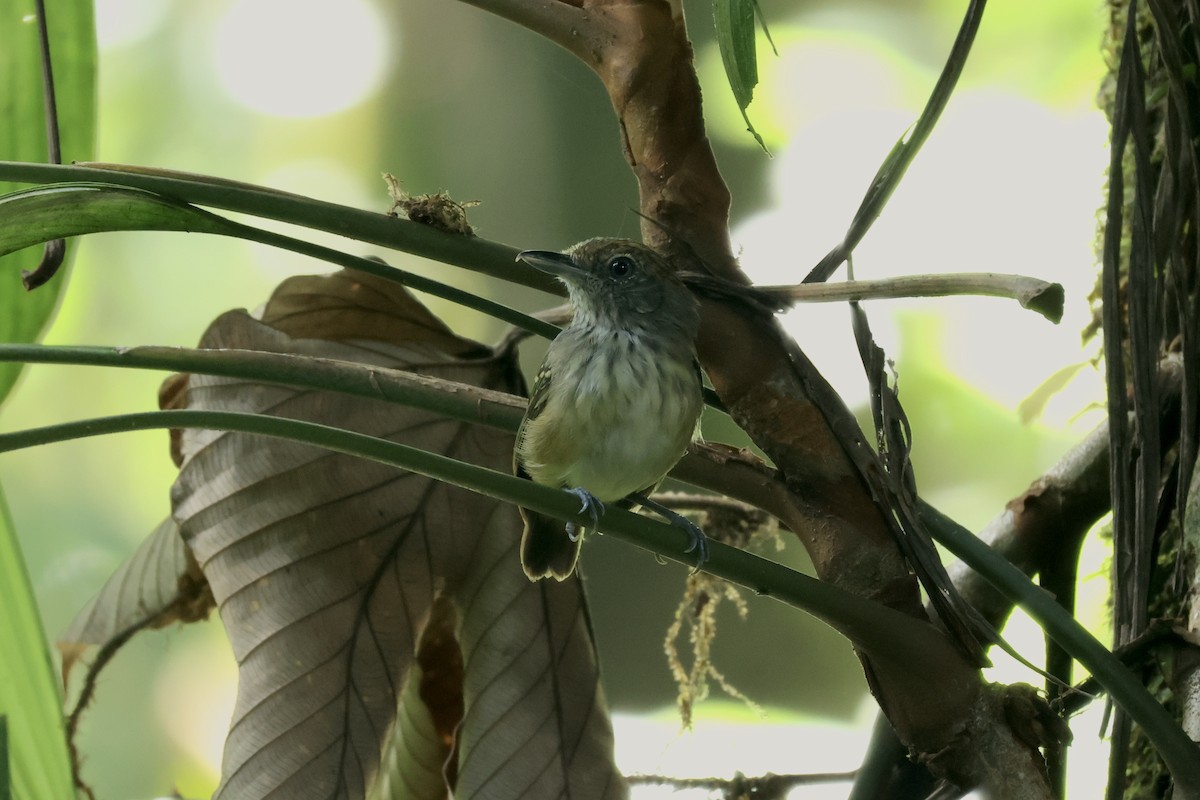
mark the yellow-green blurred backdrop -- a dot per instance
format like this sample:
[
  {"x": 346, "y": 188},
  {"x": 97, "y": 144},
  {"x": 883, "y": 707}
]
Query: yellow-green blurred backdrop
[{"x": 320, "y": 98}]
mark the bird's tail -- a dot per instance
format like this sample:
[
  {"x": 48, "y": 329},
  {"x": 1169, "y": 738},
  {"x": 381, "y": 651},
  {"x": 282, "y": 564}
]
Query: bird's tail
[{"x": 546, "y": 550}]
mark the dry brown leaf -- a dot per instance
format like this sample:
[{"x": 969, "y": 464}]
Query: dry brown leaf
[
  {"x": 422, "y": 742},
  {"x": 172, "y": 393},
  {"x": 326, "y": 570},
  {"x": 348, "y": 306},
  {"x": 159, "y": 584}
]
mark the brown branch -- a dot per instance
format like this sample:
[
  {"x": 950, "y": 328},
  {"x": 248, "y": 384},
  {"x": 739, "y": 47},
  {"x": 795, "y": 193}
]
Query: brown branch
[
  {"x": 1033, "y": 293},
  {"x": 558, "y": 21},
  {"x": 1045, "y": 521},
  {"x": 641, "y": 52},
  {"x": 1053, "y": 515}
]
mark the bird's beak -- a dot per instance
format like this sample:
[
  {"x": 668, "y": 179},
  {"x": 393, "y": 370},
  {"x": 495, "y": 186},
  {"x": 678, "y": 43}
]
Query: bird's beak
[{"x": 558, "y": 264}]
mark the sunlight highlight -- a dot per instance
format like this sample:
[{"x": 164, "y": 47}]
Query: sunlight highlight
[
  {"x": 652, "y": 744},
  {"x": 300, "y": 60},
  {"x": 125, "y": 22},
  {"x": 1003, "y": 185}
]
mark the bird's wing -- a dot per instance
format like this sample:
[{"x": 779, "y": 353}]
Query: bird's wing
[
  {"x": 538, "y": 399},
  {"x": 540, "y": 394}
]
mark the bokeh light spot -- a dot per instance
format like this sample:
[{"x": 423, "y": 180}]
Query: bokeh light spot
[
  {"x": 125, "y": 22},
  {"x": 291, "y": 59}
]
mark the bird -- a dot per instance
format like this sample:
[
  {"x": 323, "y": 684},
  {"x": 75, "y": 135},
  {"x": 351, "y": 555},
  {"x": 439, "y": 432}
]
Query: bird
[{"x": 617, "y": 399}]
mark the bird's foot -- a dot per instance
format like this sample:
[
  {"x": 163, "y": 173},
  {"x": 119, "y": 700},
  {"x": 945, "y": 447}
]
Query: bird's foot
[
  {"x": 697, "y": 541},
  {"x": 589, "y": 504}
]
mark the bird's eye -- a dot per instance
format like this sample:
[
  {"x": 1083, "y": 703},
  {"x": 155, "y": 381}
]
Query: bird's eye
[{"x": 621, "y": 266}]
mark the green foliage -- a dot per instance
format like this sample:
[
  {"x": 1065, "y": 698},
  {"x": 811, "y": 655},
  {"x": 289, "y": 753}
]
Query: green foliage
[
  {"x": 74, "y": 209},
  {"x": 22, "y": 137},
  {"x": 735, "y": 38},
  {"x": 5, "y": 779},
  {"x": 61, "y": 211},
  {"x": 36, "y": 762},
  {"x": 29, "y": 697},
  {"x": 868, "y": 625}
]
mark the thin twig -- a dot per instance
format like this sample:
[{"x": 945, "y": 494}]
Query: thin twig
[
  {"x": 1033, "y": 293},
  {"x": 688, "y": 501},
  {"x": 896, "y": 164},
  {"x": 103, "y": 657},
  {"x": 55, "y": 251},
  {"x": 765, "y": 787},
  {"x": 1132, "y": 655},
  {"x": 561, "y": 22}
]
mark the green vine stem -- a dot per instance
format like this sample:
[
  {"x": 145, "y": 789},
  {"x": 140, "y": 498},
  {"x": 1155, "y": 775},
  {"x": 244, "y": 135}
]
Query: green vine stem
[
  {"x": 469, "y": 252},
  {"x": 459, "y": 401},
  {"x": 1180, "y": 753},
  {"x": 873, "y": 627}
]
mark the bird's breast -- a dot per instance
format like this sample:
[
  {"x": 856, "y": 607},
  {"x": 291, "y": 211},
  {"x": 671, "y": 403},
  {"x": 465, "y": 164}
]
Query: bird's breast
[{"x": 620, "y": 413}]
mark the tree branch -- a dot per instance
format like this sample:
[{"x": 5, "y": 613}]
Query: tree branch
[
  {"x": 559, "y": 21},
  {"x": 1032, "y": 293},
  {"x": 1053, "y": 515},
  {"x": 768, "y": 386}
]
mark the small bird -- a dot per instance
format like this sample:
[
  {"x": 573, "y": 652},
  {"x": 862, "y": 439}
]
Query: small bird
[{"x": 618, "y": 398}]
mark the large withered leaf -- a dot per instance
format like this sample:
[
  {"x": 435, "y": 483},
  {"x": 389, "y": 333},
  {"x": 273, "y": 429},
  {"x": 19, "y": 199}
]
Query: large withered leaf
[
  {"x": 531, "y": 727},
  {"x": 326, "y": 570},
  {"x": 159, "y": 584},
  {"x": 430, "y": 710}
]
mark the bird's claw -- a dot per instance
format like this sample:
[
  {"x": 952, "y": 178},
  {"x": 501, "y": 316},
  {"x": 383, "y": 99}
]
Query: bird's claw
[
  {"x": 589, "y": 504},
  {"x": 698, "y": 543}
]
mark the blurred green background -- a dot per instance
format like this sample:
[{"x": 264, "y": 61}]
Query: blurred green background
[{"x": 320, "y": 98}]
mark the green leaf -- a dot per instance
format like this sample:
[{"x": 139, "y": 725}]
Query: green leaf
[
  {"x": 29, "y": 698},
  {"x": 39, "y": 215},
  {"x": 5, "y": 779},
  {"x": 23, "y": 315},
  {"x": 74, "y": 209},
  {"x": 735, "y": 40}
]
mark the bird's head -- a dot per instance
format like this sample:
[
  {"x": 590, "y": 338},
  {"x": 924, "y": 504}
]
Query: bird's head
[{"x": 616, "y": 283}]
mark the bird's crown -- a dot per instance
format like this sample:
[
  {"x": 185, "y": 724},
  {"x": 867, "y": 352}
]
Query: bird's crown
[{"x": 620, "y": 283}]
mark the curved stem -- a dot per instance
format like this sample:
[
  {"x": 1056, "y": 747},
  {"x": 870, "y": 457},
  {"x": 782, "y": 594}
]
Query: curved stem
[
  {"x": 388, "y": 272},
  {"x": 460, "y": 401},
  {"x": 737, "y": 475},
  {"x": 469, "y": 252},
  {"x": 1033, "y": 293},
  {"x": 561, "y": 22},
  {"x": 1180, "y": 753},
  {"x": 897, "y": 162},
  {"x": 55, "y": 251},
  {"x": 853, "y": 616},
  {"x": 869, "y": 625}
]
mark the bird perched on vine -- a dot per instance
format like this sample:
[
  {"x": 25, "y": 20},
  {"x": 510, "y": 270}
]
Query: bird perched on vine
[{"x": 617, "y": 399}]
